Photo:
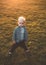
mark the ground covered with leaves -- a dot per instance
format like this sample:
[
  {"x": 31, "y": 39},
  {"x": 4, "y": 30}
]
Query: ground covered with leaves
[{"x": 35, "y": 13}]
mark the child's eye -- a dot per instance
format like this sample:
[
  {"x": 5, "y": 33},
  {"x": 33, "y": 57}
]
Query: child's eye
[{"x": 21, "y": 23}]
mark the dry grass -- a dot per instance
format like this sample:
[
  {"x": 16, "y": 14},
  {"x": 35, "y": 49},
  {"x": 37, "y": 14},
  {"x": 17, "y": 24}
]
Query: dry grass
[{"x": 35, "y": 13}]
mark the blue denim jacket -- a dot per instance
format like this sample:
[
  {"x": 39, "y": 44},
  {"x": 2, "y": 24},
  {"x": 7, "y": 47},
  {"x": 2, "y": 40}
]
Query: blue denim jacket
[{"x": 17, "y": 34}]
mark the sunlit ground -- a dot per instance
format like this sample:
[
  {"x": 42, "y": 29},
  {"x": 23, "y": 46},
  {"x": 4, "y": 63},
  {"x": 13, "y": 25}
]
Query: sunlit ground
[{"x": 35, "y": 13}]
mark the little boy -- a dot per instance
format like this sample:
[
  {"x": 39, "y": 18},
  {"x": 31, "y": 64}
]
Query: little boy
[{"x": 20, "y": 36}]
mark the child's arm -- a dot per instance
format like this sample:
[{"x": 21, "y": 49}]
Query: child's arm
[
  {"x": 14, "y": 36},
  {"x": 26, "y": 35}
]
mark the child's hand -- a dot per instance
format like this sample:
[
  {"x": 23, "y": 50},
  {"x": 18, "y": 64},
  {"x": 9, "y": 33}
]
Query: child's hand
[{"x": 14, "y": 42}]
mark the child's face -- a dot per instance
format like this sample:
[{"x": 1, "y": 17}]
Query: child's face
[{"x": 21, "y": 23}]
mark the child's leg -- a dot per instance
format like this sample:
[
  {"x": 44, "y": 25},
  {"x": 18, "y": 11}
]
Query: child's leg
[
  {"x": 13, "y": 47},
  {"x": 23, "y": 45}
]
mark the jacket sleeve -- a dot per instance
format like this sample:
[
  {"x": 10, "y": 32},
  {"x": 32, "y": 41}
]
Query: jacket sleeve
[
  {"x": 14, "y": 35},
  {"x": 26, "y": 35}
]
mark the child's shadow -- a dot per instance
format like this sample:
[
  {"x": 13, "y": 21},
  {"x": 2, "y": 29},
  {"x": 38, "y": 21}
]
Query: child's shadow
[{"x": 11, "y": 60}]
